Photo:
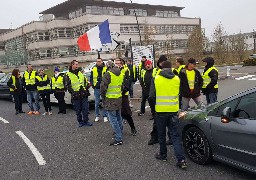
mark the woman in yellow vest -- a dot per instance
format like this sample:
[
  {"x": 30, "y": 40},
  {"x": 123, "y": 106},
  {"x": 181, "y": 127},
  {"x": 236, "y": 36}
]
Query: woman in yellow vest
[
  {"x": 210, "y": 76},
  {"x": 44, "y": 89},
  {"x": 58, "y": 88},
  {"x": 16, "y": 90}
]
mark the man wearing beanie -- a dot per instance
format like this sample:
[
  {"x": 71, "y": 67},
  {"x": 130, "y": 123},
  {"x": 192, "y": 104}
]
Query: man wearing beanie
[{"x": 58, "y": 87}]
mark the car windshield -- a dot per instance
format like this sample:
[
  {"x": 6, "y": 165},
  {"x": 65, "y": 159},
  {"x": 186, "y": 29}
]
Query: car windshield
[
  {"x": 2, "y": 75},
  {"x": 5, "y": 78}
]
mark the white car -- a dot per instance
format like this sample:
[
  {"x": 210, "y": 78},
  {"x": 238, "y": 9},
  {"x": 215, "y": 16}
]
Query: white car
[{"x": 67, "y": 97}]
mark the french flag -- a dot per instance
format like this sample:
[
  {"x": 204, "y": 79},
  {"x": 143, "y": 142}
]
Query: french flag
[{"x": 95, "y": 38}]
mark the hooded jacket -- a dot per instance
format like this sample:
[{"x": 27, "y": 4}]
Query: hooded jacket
[
  {"x": 108, "y": 103},
  {"x": 167, "y": 73},
  {"x": 213, "y": 75}
]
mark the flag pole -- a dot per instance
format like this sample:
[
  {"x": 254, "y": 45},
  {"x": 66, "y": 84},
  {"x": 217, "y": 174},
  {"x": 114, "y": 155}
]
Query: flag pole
[{"x": 137, "y": 22}]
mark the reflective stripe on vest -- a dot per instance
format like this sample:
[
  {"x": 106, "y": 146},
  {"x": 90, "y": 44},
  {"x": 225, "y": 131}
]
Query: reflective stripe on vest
[
  {"x": 95, "y": 74},
  {"x": 114, "y": 90},
  {"x": 180, "y": 68},
  {"x": 13, "y": 83},
  {"x": 30, "y": 80},
  {"x": 167, "y": 94},
  {"x": 191, "y": 78},
  {"x": 77, "y": 81},
  {"x": 40, "y": 79},
  {"x": 207, "y": 79},
  {"x": 57, "y": 83}
]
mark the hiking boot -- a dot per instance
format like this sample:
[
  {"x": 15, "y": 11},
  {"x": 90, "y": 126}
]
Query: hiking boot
[
  {"x": 182, "y": 164},
  {"x": 30, "y": 112},
  {"x": 140, "y": 114},
  {"x": 133, "y": 132},
  {"x": 116, "y": 143},
  {"x": 152, "y": 141},
  {"x": 160, "y": 157}
]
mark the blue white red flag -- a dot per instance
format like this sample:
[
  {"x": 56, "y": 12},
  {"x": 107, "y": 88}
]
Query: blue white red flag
[{"x": 95, "y": 38}]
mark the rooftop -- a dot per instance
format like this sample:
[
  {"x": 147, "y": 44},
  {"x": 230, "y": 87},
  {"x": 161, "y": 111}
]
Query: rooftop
[{"x": 75, "y": 4}]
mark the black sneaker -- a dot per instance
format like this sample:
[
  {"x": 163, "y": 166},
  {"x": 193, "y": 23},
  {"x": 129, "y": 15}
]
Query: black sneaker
[
  {"x": 140, "y": 114},
  {"x": 116, "y": 143},
  {"x": 152, "y": 141},
  {"x": 133, "y": 132},
  {"x": 182, "y": 164},
  {"x": 21, "y": 112},
  {"x": 160, "y": 157}
]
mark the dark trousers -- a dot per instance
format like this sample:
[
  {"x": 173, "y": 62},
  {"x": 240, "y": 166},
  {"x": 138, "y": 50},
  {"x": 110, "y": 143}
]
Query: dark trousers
[
  {"x": 46, "y": 101},
  {"x": 62, "y": 104},
  {"x": 81, "y": 108},
  {"x": 143, "y": 104},
  {"x": 126, "y": 112},
  {"x": 171, "y": 121},
  {"x": 18, "y": 98},
  {"x": 154, "y": 132},
  {"x": 211, "y": 98}
]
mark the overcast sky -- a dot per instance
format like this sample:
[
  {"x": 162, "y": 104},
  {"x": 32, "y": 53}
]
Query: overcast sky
[{"x": 235, "y": 15}]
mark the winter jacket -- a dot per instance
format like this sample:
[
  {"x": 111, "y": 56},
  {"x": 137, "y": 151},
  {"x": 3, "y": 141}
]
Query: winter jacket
[
  {"x": 214, "y": 78},
  {"x": 100, "y": 69},
  {"x": 44, "y": 83},
  {"x": 31, "y": 87},
  {"x": 18, "y": 84},
  {"x": 110, "y": 104},
  {"x": 184, "y": 87},
  {"x": 146, "y": 82},
  {"x": 133, "y": 75},
  {"x": 82, "y": 92},
  {"x": 167, "y": 73}
]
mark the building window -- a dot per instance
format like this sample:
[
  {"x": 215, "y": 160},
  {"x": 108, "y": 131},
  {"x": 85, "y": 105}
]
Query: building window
[
  {"x": 104, "y": 10},
  {"x": 76, "y": 13},
  {"x": 139, "y": 12},
  {"x": 166, "y": 14}
]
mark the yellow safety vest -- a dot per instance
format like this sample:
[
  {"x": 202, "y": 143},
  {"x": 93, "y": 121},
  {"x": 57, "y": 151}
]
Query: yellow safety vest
[
  {"x": 30, "y": 80},
  {"x": 134, "y": 71},
  {"x": 207, "y": 79},
  {"x": 123, "y": 71},
  {"x": 40, "y": 79},
  {"x": 114, "y": 90},
  {"x": 57, "y": 83},
  {"x": 179, "y": 68},
  {"x": 95, "y": 74},
  {"x": 77, "y": 81},
  {"x": 13, "y": 83},
  {"x": 140, "y": 70},
  {"x": 167, "y": 97},
  {"x": 191, "y": 75}
]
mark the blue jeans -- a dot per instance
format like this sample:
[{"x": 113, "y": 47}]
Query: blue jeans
[
  {"x": 97, "y": 104},
  {"x": 131, "y": 89},
  {"x": 211, "y": 98},
  {"x": 33, "y": 100},
  {"x": 171, "y": 121},
  {"x": 116, "y": 122},
  {"x": 81, "y": 108}
]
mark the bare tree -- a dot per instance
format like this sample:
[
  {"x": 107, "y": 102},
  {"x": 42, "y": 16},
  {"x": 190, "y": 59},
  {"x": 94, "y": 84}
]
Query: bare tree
[
  {"x": 237, "y": 46},
  {"x": 196, "y": 44},
  {"x": 148, "y": 34},
  {"x": 219, "y": 44}
]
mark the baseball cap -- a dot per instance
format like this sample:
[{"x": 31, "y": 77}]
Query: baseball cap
[
  {"x": 148, "y": 62},
  {"x": 192, "y": 61}
]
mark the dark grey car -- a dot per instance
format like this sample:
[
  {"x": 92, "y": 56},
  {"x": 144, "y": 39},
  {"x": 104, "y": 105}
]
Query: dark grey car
[{"x": 224, "y": 131}]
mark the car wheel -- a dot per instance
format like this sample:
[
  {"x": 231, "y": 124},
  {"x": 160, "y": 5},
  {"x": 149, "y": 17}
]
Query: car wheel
[{"x": 197, "y": 146}]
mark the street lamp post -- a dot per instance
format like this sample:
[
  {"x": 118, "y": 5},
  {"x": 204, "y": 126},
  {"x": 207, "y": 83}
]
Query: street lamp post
[{"x": 137, "y": 22}]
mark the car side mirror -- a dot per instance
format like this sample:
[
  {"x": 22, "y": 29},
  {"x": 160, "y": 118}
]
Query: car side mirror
[{"x": 225, "y": 116}]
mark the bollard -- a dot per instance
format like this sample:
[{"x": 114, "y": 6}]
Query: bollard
[{"x": 228, "y": 71}]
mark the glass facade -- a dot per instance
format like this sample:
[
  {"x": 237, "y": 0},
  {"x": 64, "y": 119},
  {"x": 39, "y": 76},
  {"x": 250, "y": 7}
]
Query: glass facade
[{"x": 139, "y": 12}]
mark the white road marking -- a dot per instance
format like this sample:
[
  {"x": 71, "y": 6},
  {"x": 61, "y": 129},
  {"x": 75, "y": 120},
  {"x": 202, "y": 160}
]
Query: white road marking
[
  {"x": 32, "y": 148},
  {"x": 3, "y": 120},
  {"x": 244, "y": 77}
]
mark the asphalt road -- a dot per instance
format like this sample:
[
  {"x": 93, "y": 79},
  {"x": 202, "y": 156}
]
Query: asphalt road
[{"x": 84, "y": 153}]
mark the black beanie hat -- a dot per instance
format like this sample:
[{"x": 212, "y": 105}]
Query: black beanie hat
[{"x": 162, "y": 58}]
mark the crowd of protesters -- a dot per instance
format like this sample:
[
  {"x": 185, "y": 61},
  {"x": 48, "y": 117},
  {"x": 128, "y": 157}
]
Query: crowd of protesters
[{"x": 167, "y": 90}]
